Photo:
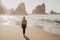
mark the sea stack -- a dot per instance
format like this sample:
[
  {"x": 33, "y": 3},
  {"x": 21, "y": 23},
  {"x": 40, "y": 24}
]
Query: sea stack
[
  {"x": 40, "y": 9},
  {"x": 20, "y": 10}
]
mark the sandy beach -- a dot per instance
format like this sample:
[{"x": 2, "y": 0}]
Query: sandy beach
[
  {"x": 13, "y": 32},
  {"x": 42, "y": 18}
]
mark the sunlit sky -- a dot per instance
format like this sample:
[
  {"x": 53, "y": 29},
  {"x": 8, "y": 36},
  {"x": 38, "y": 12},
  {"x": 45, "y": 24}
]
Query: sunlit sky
[{"x": 31, "y": 4}]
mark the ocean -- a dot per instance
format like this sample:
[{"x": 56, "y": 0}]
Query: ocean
[{"x": 49, "y": 22}]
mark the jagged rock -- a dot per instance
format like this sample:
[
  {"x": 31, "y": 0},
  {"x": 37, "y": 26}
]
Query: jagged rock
[
  {"x": 20, "y": 10},
  {"x": 40, "y": 9},
  {"x": 3, "y": 9}
]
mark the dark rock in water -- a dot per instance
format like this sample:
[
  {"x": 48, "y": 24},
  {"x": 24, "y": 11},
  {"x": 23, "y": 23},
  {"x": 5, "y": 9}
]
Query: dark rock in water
[{"x": 57, "y": 21}]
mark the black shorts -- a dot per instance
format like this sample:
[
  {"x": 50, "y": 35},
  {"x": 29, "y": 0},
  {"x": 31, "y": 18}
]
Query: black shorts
[{"x": 23, "y": 26}]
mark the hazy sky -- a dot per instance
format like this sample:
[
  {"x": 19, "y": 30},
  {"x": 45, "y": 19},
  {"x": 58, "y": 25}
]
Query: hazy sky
[{"x": 31, "y": 4}]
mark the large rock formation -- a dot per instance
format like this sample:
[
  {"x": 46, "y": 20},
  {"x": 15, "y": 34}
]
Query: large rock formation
[
  {"x": 3, "y": 9},
  {"x": 20, "y": 10},
  {"x": 40, "y": 9}
]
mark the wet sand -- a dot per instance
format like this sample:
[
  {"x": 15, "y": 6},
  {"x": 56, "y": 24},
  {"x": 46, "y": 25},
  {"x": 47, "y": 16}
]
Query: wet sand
[{"x": 9, "y": 32}]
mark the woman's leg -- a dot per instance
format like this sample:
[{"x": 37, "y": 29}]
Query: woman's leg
[{"x": 24, "y": 28}]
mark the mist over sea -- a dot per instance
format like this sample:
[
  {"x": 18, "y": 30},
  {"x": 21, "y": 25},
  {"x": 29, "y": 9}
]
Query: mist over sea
[{"x": 49, "y": 22}]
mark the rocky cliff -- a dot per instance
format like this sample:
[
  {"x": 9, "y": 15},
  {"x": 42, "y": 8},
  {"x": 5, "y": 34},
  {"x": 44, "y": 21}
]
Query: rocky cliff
[
  {"x": 40, "y": 9},
  {"x": 20, "y": 10}
]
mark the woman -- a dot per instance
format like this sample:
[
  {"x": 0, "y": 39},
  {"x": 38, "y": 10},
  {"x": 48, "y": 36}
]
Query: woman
[{"x": 24, "y": 24}]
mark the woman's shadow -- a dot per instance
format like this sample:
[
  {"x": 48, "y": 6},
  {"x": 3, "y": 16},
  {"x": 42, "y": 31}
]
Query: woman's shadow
[{"x": 26, "y": 37}]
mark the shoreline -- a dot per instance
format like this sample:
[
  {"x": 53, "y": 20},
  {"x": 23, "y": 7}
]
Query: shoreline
[{"x": 33, "y": 33}]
